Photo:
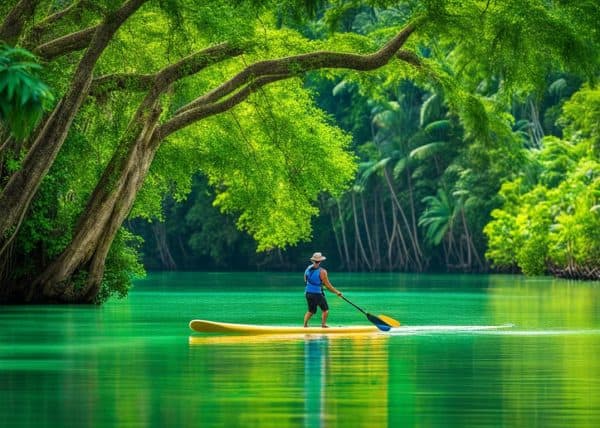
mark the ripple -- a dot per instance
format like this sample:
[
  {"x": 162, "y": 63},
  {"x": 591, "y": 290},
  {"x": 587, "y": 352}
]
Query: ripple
[{"x": 504, "y": 329}]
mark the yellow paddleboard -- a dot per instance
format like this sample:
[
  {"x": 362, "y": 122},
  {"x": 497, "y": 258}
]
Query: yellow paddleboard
[{"x": 204, "y": 326}]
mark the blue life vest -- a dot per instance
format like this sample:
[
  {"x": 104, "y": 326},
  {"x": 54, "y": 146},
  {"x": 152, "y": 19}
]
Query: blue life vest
[{"x": 313, "y": 280}]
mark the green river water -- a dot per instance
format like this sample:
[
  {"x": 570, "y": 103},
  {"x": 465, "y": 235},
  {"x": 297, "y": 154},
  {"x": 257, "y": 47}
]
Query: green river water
[{"x": 135, "y": 363}]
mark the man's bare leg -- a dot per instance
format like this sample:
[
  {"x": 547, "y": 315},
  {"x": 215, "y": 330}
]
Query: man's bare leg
[{"x": 307, "y": 316}]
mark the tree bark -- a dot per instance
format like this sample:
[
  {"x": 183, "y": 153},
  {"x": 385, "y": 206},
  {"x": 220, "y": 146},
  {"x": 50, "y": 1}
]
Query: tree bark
[
  {"x": 72, "y": 11},
  {"x": 66, "y": 44},
  {"x": 190, "y": 65},
  {"x": 107, "y": 208},
  {"x": 300, "y": 64}
]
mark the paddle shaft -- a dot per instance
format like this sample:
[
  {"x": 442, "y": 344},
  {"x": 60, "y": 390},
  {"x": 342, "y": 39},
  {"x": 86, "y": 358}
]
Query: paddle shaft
[{"x": 357, "y": 307}]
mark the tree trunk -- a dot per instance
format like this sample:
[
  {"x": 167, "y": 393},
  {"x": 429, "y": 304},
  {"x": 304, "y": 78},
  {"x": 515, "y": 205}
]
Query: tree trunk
[
  {"x": 536, "y": 131},
  {"x": 374, "y": 261},
  {"x": 344, "y": 239},
  {"x": 106, "y": 210},
  {"x": 357, "y": 231},
  {"x": 415, "y": 245},
  {"x": 335, "y": 235},
  {"x": 472, "y": 251},
  {"x": 376, "y": 231},
  {"x": 160, "y": 236},
  {"x": 413, "y": 216},
  {"x": 402, "y": 254},
  {"x": 386, "y": 232}
]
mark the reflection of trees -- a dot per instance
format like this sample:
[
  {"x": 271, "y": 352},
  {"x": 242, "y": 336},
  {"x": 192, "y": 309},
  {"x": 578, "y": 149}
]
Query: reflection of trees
[
  {"x": 555, "y": 361},
  {"x": 289, "y": 382},
  {"x": 357, "y": 382}
]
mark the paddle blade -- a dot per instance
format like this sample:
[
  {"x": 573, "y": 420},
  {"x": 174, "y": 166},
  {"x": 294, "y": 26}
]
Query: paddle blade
[
  {"x": 379, "y": 323},
  {"x": 389, "y": 320}
]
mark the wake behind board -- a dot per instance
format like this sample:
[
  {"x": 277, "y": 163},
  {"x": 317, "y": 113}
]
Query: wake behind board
[{"x": 204, "y": 326}]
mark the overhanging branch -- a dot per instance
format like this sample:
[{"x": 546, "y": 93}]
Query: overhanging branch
[
  {"x": 264, "y": 72},
  {"x": 188, "y": 66},
  {"x": 300, "y": 64}
]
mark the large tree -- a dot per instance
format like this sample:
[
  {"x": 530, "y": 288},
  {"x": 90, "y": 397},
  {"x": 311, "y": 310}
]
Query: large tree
[{"x": 149, "y": 90}]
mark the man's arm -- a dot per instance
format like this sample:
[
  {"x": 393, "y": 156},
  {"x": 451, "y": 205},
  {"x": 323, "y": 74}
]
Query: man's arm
[{"x": 329, "y": 285}]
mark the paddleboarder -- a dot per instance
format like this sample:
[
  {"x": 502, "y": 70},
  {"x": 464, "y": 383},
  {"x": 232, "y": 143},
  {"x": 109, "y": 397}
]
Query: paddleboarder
[{"x": 315, "y": 277}]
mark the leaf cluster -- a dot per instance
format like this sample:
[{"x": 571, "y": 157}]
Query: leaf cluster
[
  {"x": 23, "y": 95},
  {"x": 553, "y": 221}
]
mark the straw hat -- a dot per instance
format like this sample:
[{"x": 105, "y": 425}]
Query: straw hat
[{"x": 317, "y": 257}]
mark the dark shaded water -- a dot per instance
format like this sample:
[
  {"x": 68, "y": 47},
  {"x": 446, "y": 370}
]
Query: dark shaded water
[{"x": 132, "y": 362}]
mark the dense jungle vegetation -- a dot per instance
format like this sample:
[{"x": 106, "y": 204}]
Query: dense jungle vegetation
[{"x": 410, "y": 135}]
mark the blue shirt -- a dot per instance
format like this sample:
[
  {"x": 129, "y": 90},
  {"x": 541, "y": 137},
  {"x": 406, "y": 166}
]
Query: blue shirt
[{"x": 313, "y": 280}]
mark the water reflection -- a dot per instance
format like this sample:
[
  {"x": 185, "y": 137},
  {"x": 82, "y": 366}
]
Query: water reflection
[
  {"x": 133, "y": 363},
  {"x": 290, "y": 381},
  {"x": 315, "y": 381},
  {"x": 552, "y": 354}
]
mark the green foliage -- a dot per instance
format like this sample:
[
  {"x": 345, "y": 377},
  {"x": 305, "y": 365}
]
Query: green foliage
[
  {"x": 437, "y": 217},
  {"x": 123, "y": 265},
  {"x": 272, "y": 185},
  {"x": 518, "y": 40},
  {"x": 553, "y": 224},
  {"x": 502, "y": 239},
  {"x": 211, "y": 233},
  {"x": 574, "y": 236},
  {"x": 23, "y": 96},
  {"x": 440, "y": 124},
  {"x": 532, "y": 230},
  {"x": 581, "y": 117}
]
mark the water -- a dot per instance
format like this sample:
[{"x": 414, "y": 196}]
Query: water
[{"x": 485, "y": 351}]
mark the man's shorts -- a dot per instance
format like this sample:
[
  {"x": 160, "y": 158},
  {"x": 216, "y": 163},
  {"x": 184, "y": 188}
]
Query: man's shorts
[{"x": 314, "y": 300}]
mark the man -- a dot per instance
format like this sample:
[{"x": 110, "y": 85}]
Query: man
[{"x": 314, "y": 278}]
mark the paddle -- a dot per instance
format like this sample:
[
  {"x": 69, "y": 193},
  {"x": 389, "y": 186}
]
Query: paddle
[{"x": 382, "y": 322}]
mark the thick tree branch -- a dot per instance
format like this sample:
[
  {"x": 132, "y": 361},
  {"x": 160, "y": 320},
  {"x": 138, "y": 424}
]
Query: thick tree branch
[
  {"x": 185, "y": 67},
  {"x": 299, "y": 64},
  {"x": 66, "y": 44},
  {"x": 15, "y": 20},
  {"x": 264, "y": 72},
  {"x": 133, "y": 82}
]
